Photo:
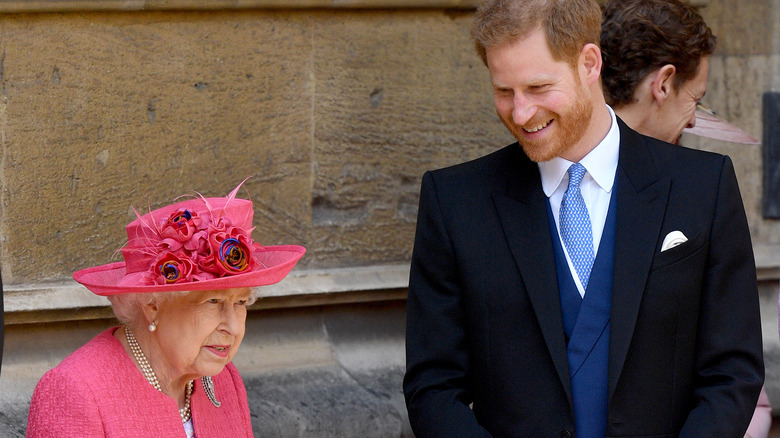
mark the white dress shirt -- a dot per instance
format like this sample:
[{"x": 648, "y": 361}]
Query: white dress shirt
[{"x": 596, "y": 187}]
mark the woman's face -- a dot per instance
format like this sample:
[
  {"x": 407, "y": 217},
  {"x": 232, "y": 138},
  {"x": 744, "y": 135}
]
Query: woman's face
[{"x": 199, "y": 332}]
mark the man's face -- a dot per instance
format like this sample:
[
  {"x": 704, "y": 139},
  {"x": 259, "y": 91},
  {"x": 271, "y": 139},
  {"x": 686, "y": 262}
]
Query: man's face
[
  {"x": 541, "y": 101},
  {"x": 678, "y": 111}
]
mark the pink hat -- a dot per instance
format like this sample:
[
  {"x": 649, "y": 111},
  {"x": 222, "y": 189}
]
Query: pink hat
[
  {"x": 710, "y": 126},
  {"x": 198, "y": 244}
]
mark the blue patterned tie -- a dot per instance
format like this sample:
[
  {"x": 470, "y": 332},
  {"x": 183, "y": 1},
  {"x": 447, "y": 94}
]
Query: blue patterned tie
[{"x": 575, "y": 225}]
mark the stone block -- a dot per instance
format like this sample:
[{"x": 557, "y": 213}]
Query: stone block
[
  {"x": 322, "y": 402},
  {"x": 116, "y": 110},
  {"x": 397, "y": 93},
  {"x": 743, "y": 28},
  {"x": 334, "y": 114}
]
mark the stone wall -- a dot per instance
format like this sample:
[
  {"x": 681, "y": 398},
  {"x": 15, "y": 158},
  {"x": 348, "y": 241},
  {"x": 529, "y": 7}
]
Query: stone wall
[
  {"x": 334, "y": 109},
  {"x": 333, "y": 114}
]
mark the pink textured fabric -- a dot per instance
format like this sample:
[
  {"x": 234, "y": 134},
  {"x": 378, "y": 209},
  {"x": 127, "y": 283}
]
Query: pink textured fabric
[{"x": 98, "y": 392}]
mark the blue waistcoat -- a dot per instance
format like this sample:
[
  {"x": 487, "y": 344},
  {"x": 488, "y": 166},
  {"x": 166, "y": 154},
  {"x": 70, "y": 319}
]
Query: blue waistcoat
[{"x": 586, "y": 325}]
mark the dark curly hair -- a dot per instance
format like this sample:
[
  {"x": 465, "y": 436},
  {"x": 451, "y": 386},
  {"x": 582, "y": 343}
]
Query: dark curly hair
[
  {"x": 640, "y": 36},
  {"x": 568, "y": 24}
]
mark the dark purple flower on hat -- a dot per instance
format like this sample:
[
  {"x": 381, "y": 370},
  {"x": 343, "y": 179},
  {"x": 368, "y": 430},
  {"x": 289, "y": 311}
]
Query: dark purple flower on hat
[{"x": 171, "y": 268}]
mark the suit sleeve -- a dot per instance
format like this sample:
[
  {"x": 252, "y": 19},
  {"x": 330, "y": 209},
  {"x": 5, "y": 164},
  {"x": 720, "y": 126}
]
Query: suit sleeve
[
  {"x": 729, "y": 353},
  {"x": 437, "y": 386}
]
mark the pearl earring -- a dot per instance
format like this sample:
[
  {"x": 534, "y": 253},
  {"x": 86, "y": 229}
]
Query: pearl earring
[{"x": 152, "y": 327}]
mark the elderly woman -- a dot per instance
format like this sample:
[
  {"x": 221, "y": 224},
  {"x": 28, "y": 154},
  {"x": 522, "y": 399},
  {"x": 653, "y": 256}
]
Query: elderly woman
[{"x": 181, "y": 296}]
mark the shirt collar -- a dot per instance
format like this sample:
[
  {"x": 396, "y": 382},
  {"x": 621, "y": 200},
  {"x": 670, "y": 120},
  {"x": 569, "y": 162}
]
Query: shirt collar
[{"x": 601, "y": 162}]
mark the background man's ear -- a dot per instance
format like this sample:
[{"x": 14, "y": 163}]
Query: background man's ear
[{"x": 662, "y": 85}]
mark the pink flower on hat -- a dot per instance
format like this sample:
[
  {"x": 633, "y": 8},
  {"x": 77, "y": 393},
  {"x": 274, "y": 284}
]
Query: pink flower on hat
[
  {"x": 189, "y": 246},
  {"x": 194, "y": 244},
  {"x": 184, "y": 228},
  {"x": 170, "y": 268},
  {"x": 230, "y": 252}
]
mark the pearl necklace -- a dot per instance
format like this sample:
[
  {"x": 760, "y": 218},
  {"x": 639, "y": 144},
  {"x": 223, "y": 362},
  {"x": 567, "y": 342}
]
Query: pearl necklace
[{"x": 148, "y": 372}]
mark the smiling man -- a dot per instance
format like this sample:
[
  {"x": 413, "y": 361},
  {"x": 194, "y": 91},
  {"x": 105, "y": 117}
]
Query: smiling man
[{"x": 585, "y": 281}]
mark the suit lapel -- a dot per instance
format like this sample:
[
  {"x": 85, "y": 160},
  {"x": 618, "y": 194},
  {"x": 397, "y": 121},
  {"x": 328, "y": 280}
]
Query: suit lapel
[
  {"x": 523, "y": 215},
  {"x": 642, "y": 195}
]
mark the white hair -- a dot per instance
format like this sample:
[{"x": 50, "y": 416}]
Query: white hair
[{"x": 128, "y": 308}]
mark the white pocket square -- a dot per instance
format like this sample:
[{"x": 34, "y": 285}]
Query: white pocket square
[{"x": 673, "y": 239}]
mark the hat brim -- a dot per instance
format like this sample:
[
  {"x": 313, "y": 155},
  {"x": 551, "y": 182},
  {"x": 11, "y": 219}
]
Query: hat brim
[
  {"x": 275, "y": 261},
  {"x": 710, "y": 126}
]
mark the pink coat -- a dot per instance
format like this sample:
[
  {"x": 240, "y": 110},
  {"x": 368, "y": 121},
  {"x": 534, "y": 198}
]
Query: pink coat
[{"x": 98, "y": 392}]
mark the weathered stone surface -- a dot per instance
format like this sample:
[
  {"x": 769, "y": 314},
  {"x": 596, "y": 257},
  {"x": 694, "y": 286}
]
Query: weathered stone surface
[
  {"x": 320, "y": 402},
  {"x": 776, "y": 35},
  {"x": 149, "y": 5},
  {"x": 368, "y": 342},
  {"x": 743, "y": 28},
  {"x": 335, "y": 115},
  {"x": 396, "y": 94},
  {"x": 122, "y": 109}
]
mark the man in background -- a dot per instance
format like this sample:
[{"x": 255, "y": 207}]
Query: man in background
[
  {"x": 655, "y": 74},
  {"x": 655, "y": 70}
]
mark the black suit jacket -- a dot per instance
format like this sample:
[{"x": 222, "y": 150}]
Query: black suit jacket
[{"x": 486, "y": 352}]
